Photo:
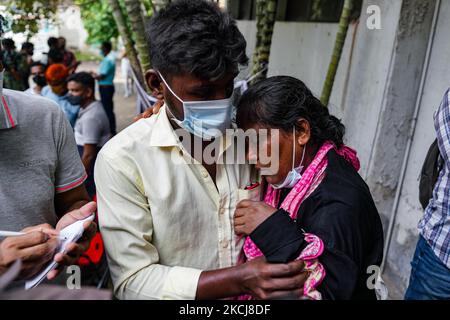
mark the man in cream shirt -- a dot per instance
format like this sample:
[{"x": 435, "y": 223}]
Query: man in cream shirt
[{"x": 165, "y": 213}]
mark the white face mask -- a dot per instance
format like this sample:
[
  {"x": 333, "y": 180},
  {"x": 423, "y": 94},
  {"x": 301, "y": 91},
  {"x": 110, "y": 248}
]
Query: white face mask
[
  {"x": 294, "y": 175},
  {"x": 205, "y": 119}
]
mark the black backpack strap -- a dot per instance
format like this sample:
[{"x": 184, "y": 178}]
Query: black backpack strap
[{"x": 429, "y": 174}]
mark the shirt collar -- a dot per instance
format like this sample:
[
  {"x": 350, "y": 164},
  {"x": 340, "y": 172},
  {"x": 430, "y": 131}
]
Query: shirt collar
[
  {"x": 7, "y": 117},
  {"x": 89, "y": 106},
  {"x": 163, "y": 135},
  {"x": 110, "y": 56}
]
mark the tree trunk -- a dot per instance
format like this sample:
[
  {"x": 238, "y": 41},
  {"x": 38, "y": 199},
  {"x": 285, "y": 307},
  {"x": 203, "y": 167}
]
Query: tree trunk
[
  {"x": 125, "y": 33},
  {"x": 137, "y": 25},
  {"x": 337, "y": 52},
  {"x": 265, "y": 21}
]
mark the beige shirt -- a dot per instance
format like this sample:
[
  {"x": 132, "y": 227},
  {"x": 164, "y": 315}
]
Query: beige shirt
[{"x": 162, "y": 218}]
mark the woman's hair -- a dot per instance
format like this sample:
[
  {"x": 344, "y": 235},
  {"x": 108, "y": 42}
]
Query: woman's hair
[{"x": 279, "y": 102}]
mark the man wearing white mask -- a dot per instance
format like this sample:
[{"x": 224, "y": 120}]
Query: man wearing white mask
[{"x": 166, "y": 212}]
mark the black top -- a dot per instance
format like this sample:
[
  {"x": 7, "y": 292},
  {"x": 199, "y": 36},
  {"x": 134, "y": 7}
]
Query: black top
[{"x": 342, "y": 213}]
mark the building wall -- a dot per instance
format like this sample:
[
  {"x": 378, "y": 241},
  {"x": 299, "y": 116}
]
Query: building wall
[
  {"x": 303, "y": 50},
  {"x": 375, "y": 95},
  {"x": 301, "y": 61},
  {"x": 71, "y": 27},
  {"x": 409, "y": 211}
]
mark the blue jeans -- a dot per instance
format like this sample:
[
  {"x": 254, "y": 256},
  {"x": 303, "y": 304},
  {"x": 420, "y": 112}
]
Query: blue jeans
[{"x": 430, "y": 278}]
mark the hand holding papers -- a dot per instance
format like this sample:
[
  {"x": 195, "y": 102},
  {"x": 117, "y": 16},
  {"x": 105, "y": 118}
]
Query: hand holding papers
[{"x": 69, "y": 234}]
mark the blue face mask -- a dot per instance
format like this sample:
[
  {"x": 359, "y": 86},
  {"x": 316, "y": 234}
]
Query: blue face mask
[
  {"x": 205, "y": 119},
  {"x": 294, "y": 175}
]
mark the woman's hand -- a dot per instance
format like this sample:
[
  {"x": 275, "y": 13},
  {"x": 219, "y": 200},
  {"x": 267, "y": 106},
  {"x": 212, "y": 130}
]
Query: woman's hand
[{"x": 249, "y": 215}]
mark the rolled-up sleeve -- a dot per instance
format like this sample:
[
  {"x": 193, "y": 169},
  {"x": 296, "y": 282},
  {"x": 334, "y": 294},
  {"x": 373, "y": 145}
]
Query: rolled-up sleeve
[{"x": 126, "y": 225}]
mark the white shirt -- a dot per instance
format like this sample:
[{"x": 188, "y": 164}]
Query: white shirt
[
  {"x": 163, "y": 220},
  {"x": 31, "y": 91}
]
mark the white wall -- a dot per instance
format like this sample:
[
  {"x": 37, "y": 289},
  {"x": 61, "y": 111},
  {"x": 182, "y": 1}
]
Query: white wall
[
  {"x": 409, "y": 212},
  {"x": 303, "y": 50},
  {"x": 71, "y": 27}
]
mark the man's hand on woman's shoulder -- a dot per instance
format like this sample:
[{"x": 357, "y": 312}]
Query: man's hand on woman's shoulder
[{"x": 150, "y": 111}]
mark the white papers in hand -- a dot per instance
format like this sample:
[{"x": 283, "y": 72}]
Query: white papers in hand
[{"x": 69, "y": 234}]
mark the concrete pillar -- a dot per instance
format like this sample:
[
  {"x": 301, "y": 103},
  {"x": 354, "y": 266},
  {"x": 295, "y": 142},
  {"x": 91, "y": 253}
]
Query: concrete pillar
[{"x": 397, "y": 110}]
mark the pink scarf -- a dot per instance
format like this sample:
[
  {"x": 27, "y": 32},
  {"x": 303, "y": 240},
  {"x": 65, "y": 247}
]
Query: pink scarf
[{"x": 310, "y": 180}]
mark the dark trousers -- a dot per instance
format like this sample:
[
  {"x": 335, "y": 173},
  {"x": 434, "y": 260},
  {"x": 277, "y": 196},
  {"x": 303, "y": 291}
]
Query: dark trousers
[
  {"x": 89, "y": 183},
  {"x": 106, "y": 96}
]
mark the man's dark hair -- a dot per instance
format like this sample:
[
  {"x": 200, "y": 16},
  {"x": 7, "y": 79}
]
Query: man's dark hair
[
  {"x": 37, "y": 63},
  {"x": 52, "y": 42},
  {"x": 27, "y": 46},
  {"x": 8, "y": 44},
  {"x": 279, "y": 102},
  {"x": 195, "y": 36},
  {"x": 107, "y": 45},
  {"x": 84, "y": 78}
]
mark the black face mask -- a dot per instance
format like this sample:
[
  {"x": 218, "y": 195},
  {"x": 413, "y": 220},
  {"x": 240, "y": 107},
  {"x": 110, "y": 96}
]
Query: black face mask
[
  {"x": 74, "y": 100},
  {"x": 39, "y": 80}
]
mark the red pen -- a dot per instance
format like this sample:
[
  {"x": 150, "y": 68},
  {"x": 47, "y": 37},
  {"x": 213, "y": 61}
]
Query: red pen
[{"x": 252, "y": 186}]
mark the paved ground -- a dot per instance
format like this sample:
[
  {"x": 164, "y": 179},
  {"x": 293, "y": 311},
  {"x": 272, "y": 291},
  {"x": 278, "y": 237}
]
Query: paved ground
[{"x": 124, "y": 108}]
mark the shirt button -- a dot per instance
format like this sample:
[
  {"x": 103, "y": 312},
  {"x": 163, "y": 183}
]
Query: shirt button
[
  {"x": 205, "y": 174},
  {"x": 222, "y": 211}
]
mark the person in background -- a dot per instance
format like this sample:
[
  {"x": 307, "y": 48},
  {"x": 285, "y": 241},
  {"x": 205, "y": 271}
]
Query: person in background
[
  {"x": 15, "y": 66},
  {"x": 430, "y": 272},
  {"x": 27, "y": 52},
  {"x": 37, "y": 72},
  {"x": 127, "y": 74},
  {"x": 105, "y": 78},
  {"x": 56, "y": 90},
  {"x": 69, "y": 59},
  {"x": 92, "y": 125},
  {"x": 54, "y": 54},
  {"x": 52, "y": 43}
]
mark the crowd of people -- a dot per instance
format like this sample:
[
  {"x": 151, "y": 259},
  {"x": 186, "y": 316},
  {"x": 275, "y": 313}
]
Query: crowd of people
[
  {"x": 55, "y": 78},
  {"x": 174, "y": 224}
]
